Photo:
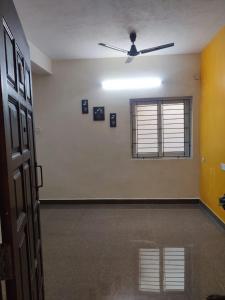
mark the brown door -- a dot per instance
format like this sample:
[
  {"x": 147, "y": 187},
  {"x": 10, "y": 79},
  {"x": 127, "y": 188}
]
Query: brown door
[{"x": 18, "y": 180}]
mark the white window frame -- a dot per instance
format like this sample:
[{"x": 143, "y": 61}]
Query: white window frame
[{"x": 187, "y": 101}]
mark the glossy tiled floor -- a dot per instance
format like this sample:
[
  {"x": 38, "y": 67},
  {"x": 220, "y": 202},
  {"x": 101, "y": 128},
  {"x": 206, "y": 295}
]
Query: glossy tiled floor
[{"x": 117, "y": 252}]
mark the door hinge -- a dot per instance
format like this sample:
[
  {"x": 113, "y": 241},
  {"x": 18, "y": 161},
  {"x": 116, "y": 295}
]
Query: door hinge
[{"x": 6, "y": 269}]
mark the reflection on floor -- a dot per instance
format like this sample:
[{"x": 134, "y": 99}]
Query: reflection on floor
[
  {"x": 131, "y": 252},
  {"x": 162, "y": 271}
]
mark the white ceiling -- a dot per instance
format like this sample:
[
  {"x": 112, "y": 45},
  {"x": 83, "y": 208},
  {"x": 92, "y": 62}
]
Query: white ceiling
[{"x": 65, "y": 29}]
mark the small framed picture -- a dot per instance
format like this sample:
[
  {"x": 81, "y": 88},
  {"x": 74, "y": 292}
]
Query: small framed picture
[
  {"x": 112, "y": 120},
  {"x": 98, "y": 113},
  {"x": 84, "y": 106}
]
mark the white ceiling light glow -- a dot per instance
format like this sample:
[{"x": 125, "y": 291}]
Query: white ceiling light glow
[{"x": 132, "y": 84}]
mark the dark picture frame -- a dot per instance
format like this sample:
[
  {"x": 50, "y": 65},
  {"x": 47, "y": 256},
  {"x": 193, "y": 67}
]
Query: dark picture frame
[{"x": 99, "y": 113}]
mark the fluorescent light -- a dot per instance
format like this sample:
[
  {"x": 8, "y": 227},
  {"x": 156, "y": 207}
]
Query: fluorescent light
[{"x": 132, "y": 83}]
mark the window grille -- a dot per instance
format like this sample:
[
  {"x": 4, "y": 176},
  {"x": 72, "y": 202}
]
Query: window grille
[{"x": 161, "y": 128}]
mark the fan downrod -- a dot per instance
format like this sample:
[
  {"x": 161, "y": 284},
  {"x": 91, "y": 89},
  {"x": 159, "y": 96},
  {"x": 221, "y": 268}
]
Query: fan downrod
[{"x": 133, "y": 36}]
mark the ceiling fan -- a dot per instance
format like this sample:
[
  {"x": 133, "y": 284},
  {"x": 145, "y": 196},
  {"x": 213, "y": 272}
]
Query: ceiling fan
[{"x": 133, "y": 50}]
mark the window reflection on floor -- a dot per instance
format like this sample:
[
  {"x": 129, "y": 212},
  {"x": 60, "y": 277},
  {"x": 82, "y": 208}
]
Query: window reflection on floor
[
  {"x": 149, "y": 270},
  {"x": 162, "y": 270}
]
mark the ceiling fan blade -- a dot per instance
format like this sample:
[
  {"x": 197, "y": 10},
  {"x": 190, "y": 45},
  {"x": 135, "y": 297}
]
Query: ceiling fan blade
[
  {"x": 113, "y": 48},
  {"x": 156, "y": 48},
  {"x": 129, "y": 59}
]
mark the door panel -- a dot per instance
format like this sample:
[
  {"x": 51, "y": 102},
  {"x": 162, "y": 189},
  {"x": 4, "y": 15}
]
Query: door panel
[
  {"x": 14, "y": 127},
  {"x": 10, "y": 57},
  {"x": 18, "y": 193},
  {"x": 28, "y": 84},
  {"x": 20, "y": 72},
  {"x": 20, "y": 214},
  {"x": 23, "y": 252},
  {"x": 24, "y": 129}
]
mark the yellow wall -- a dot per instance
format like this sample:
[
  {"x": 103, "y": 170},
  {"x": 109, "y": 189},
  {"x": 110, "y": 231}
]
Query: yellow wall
[{"x": 212, "y": 124}]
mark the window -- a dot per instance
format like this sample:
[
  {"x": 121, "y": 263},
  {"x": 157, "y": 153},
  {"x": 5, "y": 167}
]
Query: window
[{"x": 161, "y": 128}]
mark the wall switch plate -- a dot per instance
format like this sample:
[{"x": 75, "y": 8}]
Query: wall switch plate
[
  {"x": 37, "y": 130},
  {"x": 222, "y": 165}
]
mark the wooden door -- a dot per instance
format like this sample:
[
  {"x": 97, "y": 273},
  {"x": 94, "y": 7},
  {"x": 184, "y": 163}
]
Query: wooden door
[{"x": 20, "y": 217}]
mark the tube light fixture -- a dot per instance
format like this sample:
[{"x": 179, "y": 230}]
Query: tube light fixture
[{"x": 132, "y": 83}]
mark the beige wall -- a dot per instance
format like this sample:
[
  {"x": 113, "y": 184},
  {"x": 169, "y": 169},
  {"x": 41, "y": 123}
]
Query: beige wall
[
  {"x": 40, "y": 62},
  {"x": 86, "y": 159}
]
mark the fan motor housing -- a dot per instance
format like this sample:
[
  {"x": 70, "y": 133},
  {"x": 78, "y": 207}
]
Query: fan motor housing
[{"x": 133, "y": 51}]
